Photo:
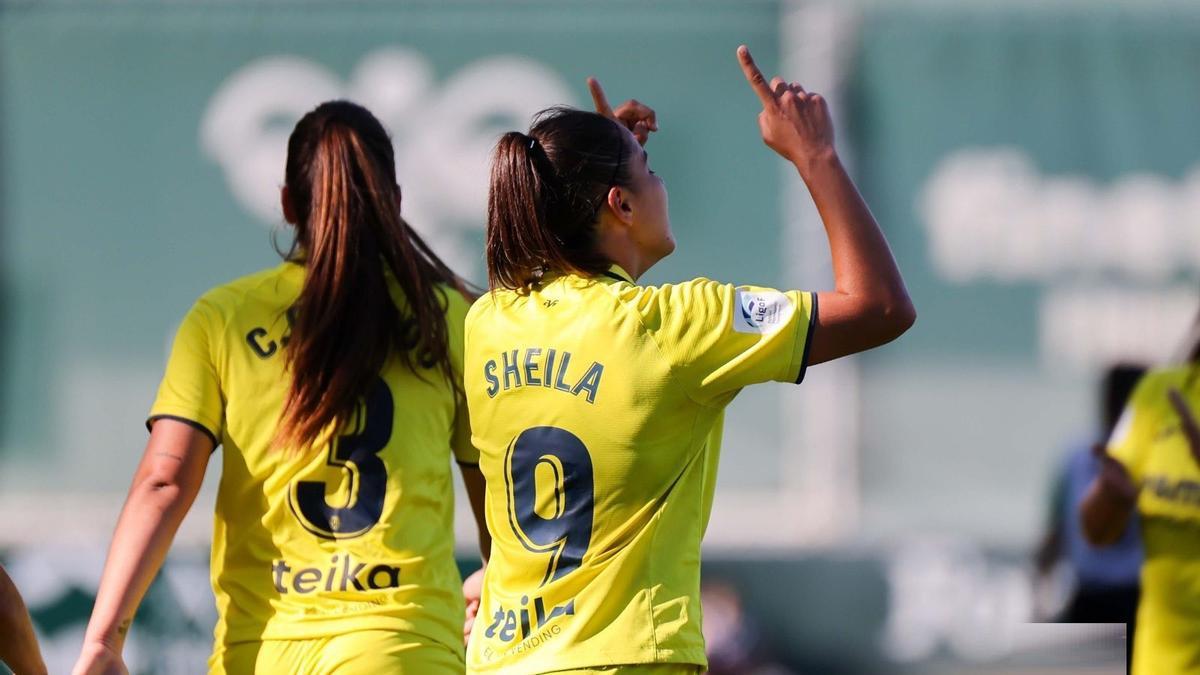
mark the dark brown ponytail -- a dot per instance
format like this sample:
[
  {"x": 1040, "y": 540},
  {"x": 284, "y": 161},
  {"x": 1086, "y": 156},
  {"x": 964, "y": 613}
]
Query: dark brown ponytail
[
  {"x": 547, "y": 190},
  {"x": 341, "y": 181}
]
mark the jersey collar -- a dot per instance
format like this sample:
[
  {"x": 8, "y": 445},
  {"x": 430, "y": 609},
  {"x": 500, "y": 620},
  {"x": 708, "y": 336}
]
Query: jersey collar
[{"x": 617, "y": 273}]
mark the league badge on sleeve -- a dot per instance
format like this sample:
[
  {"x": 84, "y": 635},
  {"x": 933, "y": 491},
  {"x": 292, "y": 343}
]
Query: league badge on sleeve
[{"x": 761, "y": 311}]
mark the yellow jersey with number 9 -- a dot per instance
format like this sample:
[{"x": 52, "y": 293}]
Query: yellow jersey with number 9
[
  {"x": 356, "y": 534},
  {"x": 1150, "y": 443},
  {"x": 597, "y": 407}
]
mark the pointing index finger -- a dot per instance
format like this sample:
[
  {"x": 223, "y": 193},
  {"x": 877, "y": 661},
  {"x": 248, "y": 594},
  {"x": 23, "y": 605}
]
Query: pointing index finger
[
  {"x": 598, "y": 98},
  {"x": 758, "y": 82}
]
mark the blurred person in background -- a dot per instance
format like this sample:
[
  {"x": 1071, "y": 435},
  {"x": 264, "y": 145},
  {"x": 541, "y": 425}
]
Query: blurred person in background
[
  {"x": 18, "y": 644},
  {"x": 733, "y": 639},
  {"x": 1151, "y": 465},
  {"x": 333, "y": 383},
  {"x": 597, "y": 404},
  {"x": 1105, "y": 579}
]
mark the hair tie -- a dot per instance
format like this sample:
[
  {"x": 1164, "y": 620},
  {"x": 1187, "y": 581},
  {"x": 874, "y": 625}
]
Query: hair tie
[{"x": 532, "y": 142}]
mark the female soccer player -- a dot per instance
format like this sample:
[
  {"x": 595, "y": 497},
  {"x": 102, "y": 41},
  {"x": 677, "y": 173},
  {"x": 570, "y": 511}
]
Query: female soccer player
[
  {"x": 597, "y": 404},
  {"x": 1152, "y": 464},
  {"x": 333, "y": 382}
]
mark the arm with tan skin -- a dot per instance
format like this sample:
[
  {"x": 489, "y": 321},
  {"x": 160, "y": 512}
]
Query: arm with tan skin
[
  {"x": 1109, "y": 502},
  {"x": 18, "y": 644},
  {"x": 164, "y": 486},
  {"x": 473, "y": 585},
  {"x": 869, "y": 305}
]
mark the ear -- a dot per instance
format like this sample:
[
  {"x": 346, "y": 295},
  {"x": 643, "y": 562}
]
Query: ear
[
  {"x": 285, "y": 201},
  {"x": 618, "y": 205}
]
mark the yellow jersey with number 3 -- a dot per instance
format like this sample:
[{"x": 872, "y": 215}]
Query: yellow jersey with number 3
[
  {"x": 356, "y": 534},
  {"x": 597, "y": 408},
  {"x": 1150, "y": 443}
]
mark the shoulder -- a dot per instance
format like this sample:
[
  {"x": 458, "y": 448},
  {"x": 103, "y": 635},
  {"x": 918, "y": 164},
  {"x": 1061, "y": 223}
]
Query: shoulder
[
  {"x": 455, "y": 301},
  {"x": 1154, "y": 385},
  {"x": 698, "y": 291},
  {"x": 491, "y": 301},
  {"x": 280, "y": 284},
  {"x": 269, "y": 292}
]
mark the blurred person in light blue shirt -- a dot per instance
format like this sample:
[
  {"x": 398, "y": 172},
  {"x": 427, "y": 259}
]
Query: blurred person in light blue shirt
[{"x": 1106, "y": 580}]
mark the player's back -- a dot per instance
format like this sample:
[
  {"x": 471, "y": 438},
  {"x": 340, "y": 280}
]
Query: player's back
[
  {"x": 353, "y": 534},
  {"x": 599, "y": 449}
]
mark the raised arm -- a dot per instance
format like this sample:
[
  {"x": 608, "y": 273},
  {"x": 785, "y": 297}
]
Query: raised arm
[
  {"x": 163, "y": 489},
  {"x": 18, "y": 644},
  {"x": 869, "y": 305},
  {"x": 1109, "y": 502}
]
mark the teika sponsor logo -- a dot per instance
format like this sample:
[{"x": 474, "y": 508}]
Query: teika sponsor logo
[{"x": 343, "y": 573}]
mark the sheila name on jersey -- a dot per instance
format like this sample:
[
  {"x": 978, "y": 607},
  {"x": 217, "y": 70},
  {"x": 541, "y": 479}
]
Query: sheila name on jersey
[{"x": 537, "y": 367}]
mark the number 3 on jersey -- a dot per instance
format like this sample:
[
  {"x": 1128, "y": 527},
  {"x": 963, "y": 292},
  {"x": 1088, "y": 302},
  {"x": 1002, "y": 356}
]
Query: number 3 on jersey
[
  {"x": 565, "y": 530},
  {"x": 357, "y": 453}
]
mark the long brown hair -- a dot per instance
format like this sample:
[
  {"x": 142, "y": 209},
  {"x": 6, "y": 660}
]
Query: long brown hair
[
  {"x": 341, "y": 183},
  {"x": 547, "y": 190}
]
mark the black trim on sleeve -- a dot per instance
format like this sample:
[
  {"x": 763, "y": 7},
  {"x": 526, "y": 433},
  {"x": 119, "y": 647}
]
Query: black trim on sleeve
[
  {"x": 462, "y": 463},
  {"x": 812, "y": 326},
  {"x": 191, "y": 423}
]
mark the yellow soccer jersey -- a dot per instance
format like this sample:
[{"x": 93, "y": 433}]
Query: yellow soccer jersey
[
  {"x": 1150, "y": 443},
  {"x": 597, "y": 406},
  {"x": 355, "y": 535}
]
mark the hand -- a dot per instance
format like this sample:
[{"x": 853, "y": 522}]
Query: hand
[
  {"x": 794, "y": 123},
  {"x": 1114, "y": 476},
  {"x": 99, "y": 659},
  {"x": 1187, "y": 421},
  {"x": 637, "y": 117},
  {"x": 472, "y": 591}
]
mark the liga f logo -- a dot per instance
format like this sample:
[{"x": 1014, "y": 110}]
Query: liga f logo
[{"x": 761, "y": 311}]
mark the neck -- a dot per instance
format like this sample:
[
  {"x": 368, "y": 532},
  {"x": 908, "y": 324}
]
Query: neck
[{"x": 620, "y": 251}]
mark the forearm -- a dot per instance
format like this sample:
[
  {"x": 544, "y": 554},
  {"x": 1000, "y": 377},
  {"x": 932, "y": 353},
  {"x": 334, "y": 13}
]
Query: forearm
[
  {"x": 863, "y": 265},
  {"x": 148, "y": 522},
  {"x": 485, "y": 545},
  {"x": 1105, "y": 512},
  {"x": 18, "y": 643}
]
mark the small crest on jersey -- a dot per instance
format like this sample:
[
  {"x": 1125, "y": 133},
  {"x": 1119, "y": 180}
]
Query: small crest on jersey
[{"x": 761, "y": 311}]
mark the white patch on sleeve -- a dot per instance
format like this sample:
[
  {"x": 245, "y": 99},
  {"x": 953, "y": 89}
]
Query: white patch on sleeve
[
  {"x": 1121, "y": 432},
  {"x": 761, "y": 312}
]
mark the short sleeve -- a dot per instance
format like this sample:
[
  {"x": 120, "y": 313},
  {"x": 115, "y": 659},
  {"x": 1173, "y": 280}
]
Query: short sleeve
[
  {"x": 1134, "y": 433},
  {"x": 464, "y": 450},
  {"x": 720, "y": 338},
  {"x": 190, "y": 391}
]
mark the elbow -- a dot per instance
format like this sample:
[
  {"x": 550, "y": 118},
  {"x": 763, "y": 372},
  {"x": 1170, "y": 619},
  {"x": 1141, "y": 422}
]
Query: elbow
[
  {"x": 894, "y": 317},
  {"x": 901, "y": 315},
  {"x": 162, "y": 493}
]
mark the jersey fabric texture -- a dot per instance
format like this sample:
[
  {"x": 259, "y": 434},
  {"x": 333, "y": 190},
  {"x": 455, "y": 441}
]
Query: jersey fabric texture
[
  {"x": 354, "y": 534},
  {"x": 1150, "y": 443},
  {"x": 363, "y": 652},
  {"x": 597, "y": 408}
]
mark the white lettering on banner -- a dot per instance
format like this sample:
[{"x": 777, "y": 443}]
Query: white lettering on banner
[
  {"x": 443, "y": 132},
  {"x": 1085, "y": 326},
  {"x": 1103, "y": 254},
  {"x": 991, "y": 216}
]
